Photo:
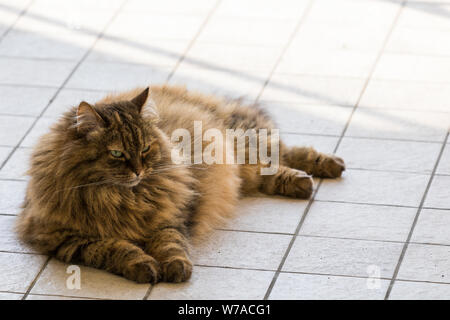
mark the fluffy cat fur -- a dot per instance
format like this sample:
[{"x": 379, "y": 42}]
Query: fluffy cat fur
[{"x": 137, "y": 214}]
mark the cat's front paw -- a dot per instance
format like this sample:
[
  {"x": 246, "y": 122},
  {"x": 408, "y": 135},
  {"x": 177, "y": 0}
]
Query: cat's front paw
[
  {"x": 176, "y": 269},
  {"x": 146, "y": 271},
  {"x": 331, "y": 166}
]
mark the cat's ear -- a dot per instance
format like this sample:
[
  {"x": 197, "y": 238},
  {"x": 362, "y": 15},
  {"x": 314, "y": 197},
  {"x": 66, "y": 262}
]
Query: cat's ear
[
  {"x": 87, "y": 117},
  {"x": 140, "y": 100}
]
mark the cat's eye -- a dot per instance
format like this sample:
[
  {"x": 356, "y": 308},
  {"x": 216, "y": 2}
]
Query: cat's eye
[
  {"x": 146, "y": 149},
  {"x": 116, "y": 153}
]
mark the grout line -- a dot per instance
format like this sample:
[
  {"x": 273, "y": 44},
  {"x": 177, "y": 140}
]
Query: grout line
[
  {"x": 359, "y": 137},
  {"x": 288, "y": 272},
  {"x": 307, "y": 209},
  {"x": 434, "y": 208},
  {"x": 36, "y": 278},
  {"x": 191, "y": 43},
  {"x": 83, "y": 58},
  {"x": 285, "y": 48},
  {"x": 318, "y": 274},
  {"x": 19, "y": 16},
  {"x": 64, "y": 296},
  {"x": 21, "y": 252},
  {"x": 291, "y": 243},
  {"x": 416, "y": 218},
  {"x": 149, "y": 291},
  {"x": 424, "y": 173},
  {"x": 368, "y": 203},
  {"x": 3, "y": 114}
]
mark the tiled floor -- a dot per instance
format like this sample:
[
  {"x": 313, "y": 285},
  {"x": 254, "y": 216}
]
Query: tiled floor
[{"x": 367, "y": 79}]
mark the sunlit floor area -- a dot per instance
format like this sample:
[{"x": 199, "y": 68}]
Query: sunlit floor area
[{"x": 368, "y": 80}]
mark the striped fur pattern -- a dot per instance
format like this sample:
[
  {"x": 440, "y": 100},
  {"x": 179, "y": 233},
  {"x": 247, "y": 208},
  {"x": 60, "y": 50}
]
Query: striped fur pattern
[{"x": 104, "y": 192}]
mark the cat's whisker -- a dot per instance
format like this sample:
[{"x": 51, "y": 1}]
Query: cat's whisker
[{"x": 85, "y": 185}]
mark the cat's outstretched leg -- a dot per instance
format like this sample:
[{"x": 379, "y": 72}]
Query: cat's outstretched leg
[
  {"x": 170, "y": 247},
  {"x": 116, "y": 256},
  {"x": 288, "y": 182},
  {"x": 312, "y": 162}
]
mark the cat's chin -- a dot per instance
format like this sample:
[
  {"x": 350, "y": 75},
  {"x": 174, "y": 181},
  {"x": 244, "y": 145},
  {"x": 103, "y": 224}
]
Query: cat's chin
[{"x": 131, "y": 184}]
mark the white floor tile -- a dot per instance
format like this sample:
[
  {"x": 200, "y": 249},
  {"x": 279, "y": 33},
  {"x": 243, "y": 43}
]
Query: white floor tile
[
  {"x": 356, "y": 12},
  {"x": 419, "y": 40},
  {"x": 115, "y": 76},
  {"x": 342, "y": 256},
  {"x": 268, "y": 214},
  {"x": 398, "y": 124},
  {"x": 129, "y": 27},
  {"x": 94, "y": 283},
  {"x": 8, "y": 238},
  {"x": 17, "y": 165},
  {"x": 242, "y": 250},
  {"x": 321, "y": 144},
  {"x": 222, "y": 57},
  {"x": 432, "y": 227},
  {"x": 216, "y": 283},
  {"x": 426, "y": 263},
  {"x": 438, "y": 195},
  {"x": 404, "y": 95},
  {"x": 265, "y": 9},
  {"x": 4, "y": 153},
  {"x": 18, "y": 270},
  {"x": 247, "y": 31},
  {"x": 12, "y": 194},
  {"x": 408, "y": 290},
  {"x": 13, "y": 129},
  {"x": 68, "y": 98},
  {"x": 162, "y": 53},
  {"x": 8, "y": 17},
  {"x": 34, "y": 72},
  {"x": 49, "y": 297},
  {"x": 231, "y": 84},
  {"x": 10, "y": 296},
  {"x": 342, "y": 63},
  {"x": 315, "y": 119},
  {"x": 375, "y": 187},
  {"x": 290, "y": 286},
  {"x": 345, "y": 220},
  {"x": 194, "y": 7},
  {"x": 41, "y": 127},
  {"x": 309, "y": 89},
  {"x": 389, "y": 154},
  {"x": 396, "y": 66},
  {"x": 444, "y": 163},
  {"x": 425, "y": 15},
  {"x": 339, "y": 36},
  {"x": 24, "y": 100}
]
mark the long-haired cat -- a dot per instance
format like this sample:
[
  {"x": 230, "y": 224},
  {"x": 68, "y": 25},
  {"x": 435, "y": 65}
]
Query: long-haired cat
[{"x": 104, "y": 191}]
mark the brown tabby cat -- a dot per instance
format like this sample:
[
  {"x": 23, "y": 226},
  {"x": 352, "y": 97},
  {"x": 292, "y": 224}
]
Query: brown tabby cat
[{"x": 104, "y": 192}]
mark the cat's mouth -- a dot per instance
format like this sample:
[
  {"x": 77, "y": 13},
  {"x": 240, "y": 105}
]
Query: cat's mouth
[{"x": 132, "y": 183}]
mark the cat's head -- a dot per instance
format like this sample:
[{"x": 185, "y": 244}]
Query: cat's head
[{"x": 120, "y": 136}]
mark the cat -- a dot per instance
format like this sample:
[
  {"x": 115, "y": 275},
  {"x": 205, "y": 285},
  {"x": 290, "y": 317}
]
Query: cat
[{"x": 104, "y": 191}]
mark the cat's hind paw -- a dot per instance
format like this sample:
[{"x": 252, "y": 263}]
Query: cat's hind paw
[{"x": 329, "y": 166}]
